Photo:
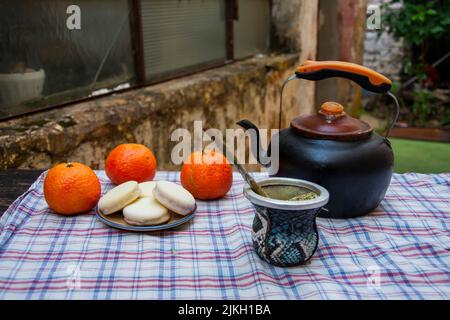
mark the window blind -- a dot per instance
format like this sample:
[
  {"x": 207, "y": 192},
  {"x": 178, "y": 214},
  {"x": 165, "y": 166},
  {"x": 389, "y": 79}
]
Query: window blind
[{"x": 182, "y": 33}]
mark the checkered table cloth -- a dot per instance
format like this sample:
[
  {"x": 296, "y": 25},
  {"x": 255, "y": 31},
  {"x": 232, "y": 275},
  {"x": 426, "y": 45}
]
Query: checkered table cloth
[{"x": 400, "y": 251}]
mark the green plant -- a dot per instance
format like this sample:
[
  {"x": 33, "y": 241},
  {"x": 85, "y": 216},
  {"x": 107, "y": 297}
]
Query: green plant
[
  {"x": 422, "y": 105},
  {"x": 419, "y": 23},
  {"x": 446, "y": 121},
  {"x": 395, "y": 87}
]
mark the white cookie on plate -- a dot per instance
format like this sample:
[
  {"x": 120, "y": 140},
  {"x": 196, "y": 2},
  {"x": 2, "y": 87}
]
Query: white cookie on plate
[
  {"x": 174, "y": 197},
  {"x": 146, "y": 211},
  {"x": 119, "y": 197},
  {"x": 147, "y": 188}
]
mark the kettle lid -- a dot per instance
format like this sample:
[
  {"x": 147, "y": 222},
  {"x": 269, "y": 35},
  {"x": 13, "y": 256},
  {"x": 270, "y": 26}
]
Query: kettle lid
[{"x": 331, "y": 123}]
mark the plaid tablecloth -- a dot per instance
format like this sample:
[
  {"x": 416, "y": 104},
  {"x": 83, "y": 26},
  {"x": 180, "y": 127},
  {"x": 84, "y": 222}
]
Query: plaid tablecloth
[{"x": 400, "y": 251}]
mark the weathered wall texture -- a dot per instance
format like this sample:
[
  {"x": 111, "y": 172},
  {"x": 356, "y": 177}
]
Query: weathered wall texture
[
  {"x": 308, "y": 41},
  {"x": 86, "y": 132},
  {"x": 382, "y": 52},
  {"x": 341, "y": 37},
  {"x": 286, "y": 25},
  {"x": 294, "y": 28}
]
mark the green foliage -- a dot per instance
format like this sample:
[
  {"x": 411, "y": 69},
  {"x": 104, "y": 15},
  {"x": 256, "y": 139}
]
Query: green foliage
[
  {"x": 422, "y": 106},
  {"x": 414, "y": 68},
  {"x": 395, "y": 87},
  {"x": 418, "y": 21},
  {"x": 446, "y": 121},
  {"x": 421, "y": 25}
]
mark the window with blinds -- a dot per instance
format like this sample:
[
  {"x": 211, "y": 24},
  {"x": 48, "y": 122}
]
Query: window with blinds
[
  {"x": 251, "y": 28},
  {"x": 180, "y": 34},
  {"x": 121, "y": 43},
  {"x": 43, "y": 63}
]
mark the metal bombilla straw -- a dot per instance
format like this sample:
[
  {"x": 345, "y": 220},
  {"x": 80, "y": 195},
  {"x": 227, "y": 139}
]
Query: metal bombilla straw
[{"x": 231, "y": 156}]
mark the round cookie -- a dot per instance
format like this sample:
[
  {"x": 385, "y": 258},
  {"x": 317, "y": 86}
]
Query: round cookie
[
  {"x": 174, "y": 197},
  {"x": 146, "y": 212},
  {"x": 119, "y": 197},
  {"x": 147, "y": 188}
]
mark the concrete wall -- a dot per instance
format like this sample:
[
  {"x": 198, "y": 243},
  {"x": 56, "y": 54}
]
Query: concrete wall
[{"x": 295, "y": 29}]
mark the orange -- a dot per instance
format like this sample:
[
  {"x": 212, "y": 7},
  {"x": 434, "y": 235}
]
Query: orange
[
  {"x": 130, "y": 161},
  {"x": 71, "y": 188},
  {"x": 207, "y": 175}
]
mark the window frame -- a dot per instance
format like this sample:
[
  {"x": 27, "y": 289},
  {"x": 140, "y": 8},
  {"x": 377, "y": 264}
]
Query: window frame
[
  {"x": 136, "y": 35},
  {"x": 231, "y": 9}
]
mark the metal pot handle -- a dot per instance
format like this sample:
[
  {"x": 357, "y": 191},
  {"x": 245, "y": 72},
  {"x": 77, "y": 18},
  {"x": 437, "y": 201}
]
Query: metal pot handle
[
  {"x": 280, "y": 113},
  {"x": 397, "y": 113},
  {"x": 367, "y": 78}
]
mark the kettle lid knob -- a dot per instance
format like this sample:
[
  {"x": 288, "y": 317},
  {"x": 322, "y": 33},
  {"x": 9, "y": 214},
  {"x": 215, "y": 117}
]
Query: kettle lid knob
[
  {"x": 332, "y": 123},
  {"x": 332, "y": 109}
]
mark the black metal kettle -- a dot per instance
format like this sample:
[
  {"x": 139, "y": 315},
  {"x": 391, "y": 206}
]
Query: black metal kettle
[{"x": 334, "y": 150}]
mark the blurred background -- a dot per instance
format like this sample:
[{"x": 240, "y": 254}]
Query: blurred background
[{"x": 135, "y": 70}]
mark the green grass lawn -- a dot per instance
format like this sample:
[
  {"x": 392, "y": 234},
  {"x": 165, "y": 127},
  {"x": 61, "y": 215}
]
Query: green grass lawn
[{"x": 421, "y": 156}]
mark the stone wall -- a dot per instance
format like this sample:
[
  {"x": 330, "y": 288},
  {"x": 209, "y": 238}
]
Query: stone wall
[
  {"x": 87, "y": 131},
  {"x": 383, "y": 53},
  {"x": 294, "y": 29}
]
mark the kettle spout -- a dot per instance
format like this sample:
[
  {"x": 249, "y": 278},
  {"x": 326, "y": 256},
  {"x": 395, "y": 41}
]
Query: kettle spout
[{"x": 257, "y": 150}]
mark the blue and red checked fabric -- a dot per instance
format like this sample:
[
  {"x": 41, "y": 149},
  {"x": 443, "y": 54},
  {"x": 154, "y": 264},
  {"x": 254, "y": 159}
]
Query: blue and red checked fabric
[{"x": 400, "y": 251}]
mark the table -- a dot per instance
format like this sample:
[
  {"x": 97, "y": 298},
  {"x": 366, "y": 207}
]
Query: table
[
  {"x": 13, "y": 183},
  {"x": 400, "y": 251}
]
